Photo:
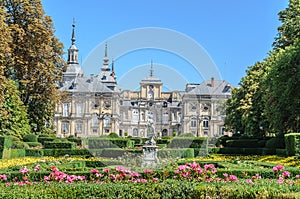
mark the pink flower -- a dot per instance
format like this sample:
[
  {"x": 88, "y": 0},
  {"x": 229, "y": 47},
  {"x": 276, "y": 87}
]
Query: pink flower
[
  {"x": 233, "y": 178},
  {"x": 280, "y": 180},
  {"x": 142, "y": 180},
  {"x": 194, "y": 165},
  {"x": 278, "y": 168},
  {"x": 3, "y": 177},
  {"x": 291, "y": 182},
  {"x": 37, "y": 168},
  {"x": 7, "y": 184},
  {"x": 149, "y": 171},
  {"x": 154, "y": 179},
  {"x": 286, "y": 174},
  {"x": 297, "y": 176},
  {"x": 249, "y": 181},
  {"x": 134, "y": 174},
  {"x": 46, "y": 178},
  {"x": 106, "y": 170},
  {"x": 208, "y": 180},
  {"x": 24, "y": 170},
  {"x": 99, "y": 175},
  {"x": 176, "y": 171},
  {"x": 225, "y": 175},
  {"x": 182, "y": 167},
  {"x": 94, "y": 171}
]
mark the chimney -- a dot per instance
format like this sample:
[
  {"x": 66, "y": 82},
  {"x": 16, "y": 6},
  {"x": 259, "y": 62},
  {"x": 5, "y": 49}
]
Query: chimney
[{"x": 212, "y": 82}]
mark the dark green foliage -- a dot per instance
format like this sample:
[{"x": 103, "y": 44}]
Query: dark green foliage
[
  {"x": 34, "y": 144},
  {"x": 34, "y": 152},
  {"x": 138, "y": 141},
  {"x": 99, "y": 143},
  {"x": 94, "y": 164},
  {"x": 246, "y": 143},
  {"x": 176, "y": 153},
  {"x": 292, "y": 144},
  {"x": 59, "y": 145},
  {"x": 63, "y": 152},
  {"x": 113, "y": 152},
  {"x": 281, "y": 152},
  {"x": 163, "y": 141},
  {"x": 30, "y": 138},
  {"x": 45, "y": 139},
  {"x": 187, "y": 142},
  {"x": 231, "y": 150},
  {"x": 77, "y": 140},
  {"x": 277, "y": 142},
  {"x": 113, "y": 135}
]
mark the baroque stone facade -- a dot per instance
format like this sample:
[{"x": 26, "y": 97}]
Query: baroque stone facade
[{"x": 96, "y": 106}]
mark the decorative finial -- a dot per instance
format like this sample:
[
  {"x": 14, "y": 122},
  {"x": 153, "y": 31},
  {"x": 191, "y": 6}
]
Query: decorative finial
[
  {"x": 151, "y": 69},
  {"x": 105, "y": 54},
  {"x": 73, "y": 32}
]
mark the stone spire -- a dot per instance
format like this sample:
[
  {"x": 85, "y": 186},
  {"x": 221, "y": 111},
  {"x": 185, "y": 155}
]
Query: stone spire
[
  {"x": 73, "y": 50},
  {"x": 105, "y": 66},
  {"x": 151, "y": 69}
]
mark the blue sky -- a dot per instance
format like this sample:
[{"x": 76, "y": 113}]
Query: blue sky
[{"x": 234, "y": 33}]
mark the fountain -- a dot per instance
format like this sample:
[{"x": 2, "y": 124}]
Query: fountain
[{"x": 150, "y": 159}]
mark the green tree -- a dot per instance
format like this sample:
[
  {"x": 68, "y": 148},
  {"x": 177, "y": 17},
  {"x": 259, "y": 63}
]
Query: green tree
[
  {"x": 282, "y": 96},
  {"x": 5, "y": 39},
  {"x": 37, "y": 59},
  {"x": 289, "y": 31},
  {"x": 233, "y": 120},
  {"x": 13, "y": 116}
]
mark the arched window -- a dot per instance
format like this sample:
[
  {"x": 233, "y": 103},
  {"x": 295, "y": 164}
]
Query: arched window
[
  {"x": 164, "y": 132},
  {"x": 107, "y": 121},
  {"x": 135, "y": 116},
  {"x": 135, "y": 132},
  {"x": 95, "y": 120},
  {"x": 194, "y": 122}
]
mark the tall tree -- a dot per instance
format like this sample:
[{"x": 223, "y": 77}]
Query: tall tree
[
  {"x": 5, "y": 39},
  {"x": 37, "y": 59},
  {"x": 282, "y": 85},
  {"x": 13, "y": 116},
  {"x": 289, "y": 31}
]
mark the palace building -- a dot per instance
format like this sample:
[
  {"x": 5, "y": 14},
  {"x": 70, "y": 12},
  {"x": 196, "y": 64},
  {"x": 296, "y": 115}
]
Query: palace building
[{"x": 96, "y": 105}]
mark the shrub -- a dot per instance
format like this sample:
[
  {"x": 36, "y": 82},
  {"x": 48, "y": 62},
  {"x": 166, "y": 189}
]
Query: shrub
[
  {"x": 30, "y": 138},
  {"x": 33, "y": 144},
  {"x": 63, "y": 152},
  {"x": 292, "y": 143},
  {"x": 99, "y": 143},
  {"x": 174, "y": 153},
  {"x": 76, "y": 140},
  {"x": 34, "y": 152},
  {"x": 5, "y": 142},
  {"x": 59, "y": 145},
  {"x": 17, "y": 153},
  {"x": 244, "y": 143},
  {"x": 19, "y": 145},
  {"x": 163, "y": 141},
  {"x": 231, "y": 150},
  {"x": 187, "y": 135},
  {"x": 45, "y": 139},
  {"x": 187, "y": 142},
  {"x": 113, "y": 135},
  {"x": 281, "y": 152},
  {"x": 276, "y": 142}
]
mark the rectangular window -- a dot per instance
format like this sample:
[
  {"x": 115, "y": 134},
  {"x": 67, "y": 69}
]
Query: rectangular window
[
  {"x": 95, "y": 120},
  {"x": 205, "y": 124},
  {"x": 79, "y": 127},
  {"x": 79, "y": 110},
  {"x": 94, "y": 130},
  {"x": 194, "y": 123},
  {"x": 65, "y": 127},
  {"x": 66, "y": 109}
]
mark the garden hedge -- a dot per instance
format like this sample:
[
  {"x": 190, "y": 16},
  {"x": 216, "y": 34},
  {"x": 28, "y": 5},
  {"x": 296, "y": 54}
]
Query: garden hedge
[
  {"x": 34, "y": 152},
  {"x": 63, "y": 152},
  {"x": 30, "y": 138},
  {"x": 245, "y": 143},
  {"x": 45, "y": 139},
  {"x": 59, "y": 145},
  {"x": 100, "y": 143},
  {"x": 168, "y": 190},
  {"x": 292, "y": 144},
  {"x": 174, "y": 153}
]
